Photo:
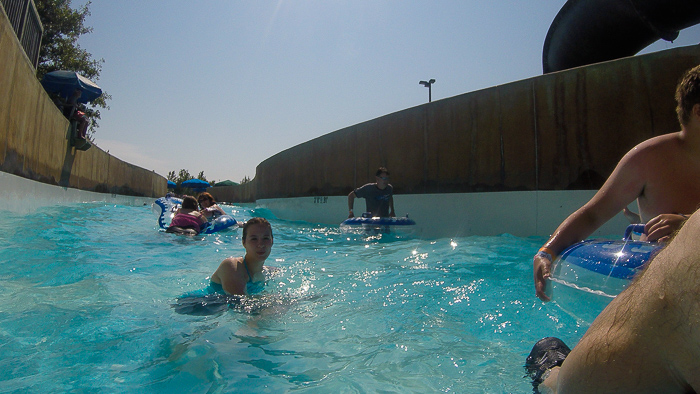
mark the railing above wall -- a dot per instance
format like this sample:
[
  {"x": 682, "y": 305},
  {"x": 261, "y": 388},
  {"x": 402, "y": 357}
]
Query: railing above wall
[{"x": 25, "y": 21}]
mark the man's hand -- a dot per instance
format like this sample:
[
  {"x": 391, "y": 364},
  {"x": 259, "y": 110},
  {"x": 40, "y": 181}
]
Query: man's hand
[
  {"x": 541, "y": 266},
  {"x": 663, "y": 226}
]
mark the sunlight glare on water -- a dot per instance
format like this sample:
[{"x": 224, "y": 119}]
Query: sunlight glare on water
[{"x": 87, "y": 293}]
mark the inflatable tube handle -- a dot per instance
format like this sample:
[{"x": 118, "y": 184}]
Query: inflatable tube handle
[{"x": 633, "y": 228}]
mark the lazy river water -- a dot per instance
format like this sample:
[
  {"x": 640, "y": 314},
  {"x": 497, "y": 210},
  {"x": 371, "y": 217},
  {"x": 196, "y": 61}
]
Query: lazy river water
[{"x": 87, "y": 293}]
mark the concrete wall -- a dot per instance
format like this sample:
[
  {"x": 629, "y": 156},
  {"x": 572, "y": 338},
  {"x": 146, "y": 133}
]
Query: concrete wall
[
  {"x": 236, "y": 193},
  {"x": 561, "y": 131},
  {"x": 22, "y": 195},
  {"x": 34, "y": 135},
  {"x": 521, "y": 213},
  {"x": 516, "y": 158}
]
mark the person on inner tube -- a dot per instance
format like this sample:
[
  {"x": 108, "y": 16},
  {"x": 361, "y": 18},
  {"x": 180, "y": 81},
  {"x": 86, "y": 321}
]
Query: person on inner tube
[
  {"x": 645, "y": 341},
  {"x": 379, "y": 196},
  {"x": 187, "y": 219},
  {"x": 210, "y": 209},
  {"x": 661, "y": 173}
]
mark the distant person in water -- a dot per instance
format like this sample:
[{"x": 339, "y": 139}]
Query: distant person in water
[
  {"x": 209, "y": 208},
  {"x": 379, "y": 196},
  {"x": 244, "y": 275},
  {"x": 187, "y": 219},
  {"x": 661, "y": 173},
  {"x": 645, "y": 341}
]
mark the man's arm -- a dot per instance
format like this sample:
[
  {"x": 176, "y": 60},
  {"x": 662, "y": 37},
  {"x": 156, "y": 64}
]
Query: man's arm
[
  {"x": 392, "y": 213},
  {"x": 623, "y": 186},
  {"x": 351, "y": 203},
  {"x": 646, "y": 339}
]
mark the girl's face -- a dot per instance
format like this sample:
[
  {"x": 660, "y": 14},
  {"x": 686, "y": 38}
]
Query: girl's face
[
  {"x": 258, "y": 241},
  {"x": 205, "y": 202}
]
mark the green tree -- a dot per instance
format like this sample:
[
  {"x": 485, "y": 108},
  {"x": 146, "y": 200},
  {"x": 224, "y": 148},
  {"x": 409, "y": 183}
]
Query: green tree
[
  {"x": 60, "y": 50},
  {"x": 183, "y": 175}
]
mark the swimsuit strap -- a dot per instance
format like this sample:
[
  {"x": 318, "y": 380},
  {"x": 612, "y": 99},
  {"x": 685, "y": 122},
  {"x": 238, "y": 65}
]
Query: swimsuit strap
[{"x": 250, "y": 277}]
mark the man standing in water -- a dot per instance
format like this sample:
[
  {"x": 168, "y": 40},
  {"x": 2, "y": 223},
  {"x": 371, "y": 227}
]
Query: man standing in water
[
  {"x": 662, "y": 174},
  {"x": 647, "y": 339},
  {"x": 379, "y": 196}
]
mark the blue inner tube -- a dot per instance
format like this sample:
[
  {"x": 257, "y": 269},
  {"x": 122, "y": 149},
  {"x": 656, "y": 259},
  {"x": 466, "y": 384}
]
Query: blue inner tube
[
  {"x": 377, "y": 221},
  {"x": 165, "y": 208},
  {"x": 618, "y": 259},
  {"x": 221, "y": 223},
  {"x": 603, "y": 267}
]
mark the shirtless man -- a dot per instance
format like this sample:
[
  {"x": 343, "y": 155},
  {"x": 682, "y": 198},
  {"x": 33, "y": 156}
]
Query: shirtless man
[
  {"x": 647, "y": 339},
  {"x": 662, "y": 174},
  {"x": 244, "y": 275}
]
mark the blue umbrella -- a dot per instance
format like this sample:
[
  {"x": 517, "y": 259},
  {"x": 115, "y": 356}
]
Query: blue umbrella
[
  {"x": 65, "y": 82},
  {"x": 171, "y": 184},
  {"x": 196, "y": 184}
]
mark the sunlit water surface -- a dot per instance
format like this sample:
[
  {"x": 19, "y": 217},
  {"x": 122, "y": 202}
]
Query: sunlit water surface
[{"x": 87, "y": 290}]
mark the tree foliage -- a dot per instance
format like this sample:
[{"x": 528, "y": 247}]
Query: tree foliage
[
  {"x": 63, "y": 26},
  {"x": 184, "y": 175}
]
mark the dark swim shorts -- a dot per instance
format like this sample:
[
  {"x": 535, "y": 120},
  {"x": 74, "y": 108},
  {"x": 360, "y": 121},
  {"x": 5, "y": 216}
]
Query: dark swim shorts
[{"x": 547, "y": 353}]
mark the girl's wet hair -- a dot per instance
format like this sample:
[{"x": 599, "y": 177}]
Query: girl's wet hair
[{"x": 253, "y": 221}]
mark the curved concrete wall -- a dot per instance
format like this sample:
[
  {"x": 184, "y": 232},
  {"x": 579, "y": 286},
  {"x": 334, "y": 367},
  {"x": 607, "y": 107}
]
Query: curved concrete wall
[
  {"x": 34, "y": 135},
  {"x": 560, "y": 131}
]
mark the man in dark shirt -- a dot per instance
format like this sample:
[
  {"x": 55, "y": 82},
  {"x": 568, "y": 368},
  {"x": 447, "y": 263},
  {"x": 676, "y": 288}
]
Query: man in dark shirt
[{"x": 378, "y": 196}]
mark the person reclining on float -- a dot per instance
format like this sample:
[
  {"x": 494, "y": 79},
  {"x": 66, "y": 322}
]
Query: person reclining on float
[
  {"x": 187, "y": 219},
  {"x": 645, "y": 341},
  {"x": 245, "y": 275},
  {"x": 662, "y": 174},
  {"x": 379, "y": 196},
  {"x": 209, "y": 208}
]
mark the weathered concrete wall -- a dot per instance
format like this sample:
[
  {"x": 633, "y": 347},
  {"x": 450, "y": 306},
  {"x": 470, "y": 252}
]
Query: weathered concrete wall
[
  {"x": 561, "y": 131},
  {"x": 236, "y": 193},
  {"x": 34, "y": 135}
]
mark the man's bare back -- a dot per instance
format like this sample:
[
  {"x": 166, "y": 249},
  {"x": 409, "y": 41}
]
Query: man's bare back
[{"x": 670, "y": 167}]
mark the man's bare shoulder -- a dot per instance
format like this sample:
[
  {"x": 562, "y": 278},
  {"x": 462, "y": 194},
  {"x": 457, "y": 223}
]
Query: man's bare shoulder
[
  {"x": 653, "y": 152},
  {"x": 664, "y": 141}
]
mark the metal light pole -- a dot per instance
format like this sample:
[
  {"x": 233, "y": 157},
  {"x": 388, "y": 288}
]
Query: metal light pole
[{"x": 429, "y": 85}]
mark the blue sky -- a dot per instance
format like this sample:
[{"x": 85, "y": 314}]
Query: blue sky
[{"x": 219, "y": 86}]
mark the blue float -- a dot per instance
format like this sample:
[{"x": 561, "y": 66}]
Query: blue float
[
  {"x": 368, "y": 224},
  {"x": 165, "y": 207},
  {"x": 589, "y": 274}
]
